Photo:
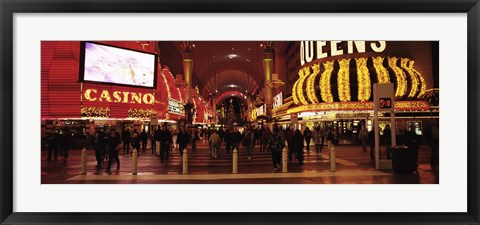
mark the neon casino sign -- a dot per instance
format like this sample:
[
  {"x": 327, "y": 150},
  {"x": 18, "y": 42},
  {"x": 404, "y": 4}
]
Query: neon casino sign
[
  {"x": 311, "y": 50},
  {"x": 95, "y": 95}
]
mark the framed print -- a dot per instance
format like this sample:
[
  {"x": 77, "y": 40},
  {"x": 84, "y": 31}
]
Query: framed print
[{"x": 239, "y": 112}]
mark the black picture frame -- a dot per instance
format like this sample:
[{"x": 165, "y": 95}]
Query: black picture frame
[{"x": 10, "y": 7}]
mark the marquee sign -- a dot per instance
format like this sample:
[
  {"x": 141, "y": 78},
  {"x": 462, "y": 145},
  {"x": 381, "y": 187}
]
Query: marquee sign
[
  {"x": 95, "y": 95},
  {"x": 175, "y": 106},
  {"x": 311, "y": 50},
  {"x": 278, "y": 100}
]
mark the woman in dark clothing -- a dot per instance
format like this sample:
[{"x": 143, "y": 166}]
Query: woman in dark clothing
[
  {"x": 298, "y": 145},
  {"x": 113, "y": 141}
]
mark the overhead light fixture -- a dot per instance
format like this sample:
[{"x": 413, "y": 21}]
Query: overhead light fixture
[{"x": 231, "y": 56}]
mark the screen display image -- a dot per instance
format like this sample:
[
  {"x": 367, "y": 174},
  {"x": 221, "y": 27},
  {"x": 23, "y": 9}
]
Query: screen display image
[{"x": 118, "y": 66}]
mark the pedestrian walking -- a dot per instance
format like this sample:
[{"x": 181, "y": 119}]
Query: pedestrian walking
[
  {"x": 298, "y": 145},
  {"x": 65, "y": 143},
  {"x": 99, "y": 142},
  {"x": 193, "y": 139},
  {"x": 371, "y": 142},
  {"x": 53, "y": 141},
  {"x": 289, "y": 138},
  {"x": 249, "y": 142},
  {"x": 307, "y": 134},
  {"x": 153, "y": 142},
  {"x": 387, "y": 138},
  {"x": 126, "y": 137},
  {"x": 266, "y": 133},
  {"x": 228, "y": 140},
  {"x": 112, "y": 142},
  {"x": 363, "y": 136},
  {"x": 276, "y": 143},
  {"x": 135, "y": 140},
  {"x": 182, "y": 140},
  {"x": 214, "y": 143},
  {"x": 144, "y": 139},
  {"x": 318, "y": 139},
  {"x": 166, "y": 140}
]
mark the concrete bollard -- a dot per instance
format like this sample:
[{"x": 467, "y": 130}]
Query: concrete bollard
[
  {"x": 235, "y": 161},
  {"x": 332, "y": 159},
  {"x": 284, "y": 161},
  {"x": 134, "y": 162},
  {"x": 84, "y": 161},
  {"x": 185, "y": 161}
]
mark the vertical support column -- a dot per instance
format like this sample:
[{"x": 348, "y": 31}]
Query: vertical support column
[
  {"x": 332, "y": 159},
  {"x": 235, "y": 161},
  {"x": 284, "y": 161},
  {"x": 267, "y": 68},
  {"x": 134, "y": 161},
  {"x": 394, "y": 128},
  {"x": 185, "y": 161},
  {"x": 84, "y": 161},
  {"x": 249, "y": 110},
  {"x": 377, "y": 141},
  {"x": 187, "y": 71}
]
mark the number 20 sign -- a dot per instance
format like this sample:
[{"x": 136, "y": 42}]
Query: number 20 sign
[{"x": 385, "y": 103}]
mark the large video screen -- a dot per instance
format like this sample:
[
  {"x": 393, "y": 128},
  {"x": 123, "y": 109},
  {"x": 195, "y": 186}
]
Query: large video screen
[{"x": 108, "y": 64}]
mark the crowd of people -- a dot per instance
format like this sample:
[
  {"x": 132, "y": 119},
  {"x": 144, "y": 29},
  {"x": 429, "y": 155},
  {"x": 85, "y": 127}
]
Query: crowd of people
[
  {"x": 59, "y": 143},
  {"x": 243, "y": 139}
]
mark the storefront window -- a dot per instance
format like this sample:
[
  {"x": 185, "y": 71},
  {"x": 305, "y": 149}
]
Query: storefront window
[{"x": 416, "y": 125}]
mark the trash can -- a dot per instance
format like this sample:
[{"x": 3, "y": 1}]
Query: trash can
[{"x": 404, "y": 159}]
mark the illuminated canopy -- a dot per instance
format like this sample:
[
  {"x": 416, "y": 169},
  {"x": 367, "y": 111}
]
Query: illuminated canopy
[{"x": 352, "y": 79}]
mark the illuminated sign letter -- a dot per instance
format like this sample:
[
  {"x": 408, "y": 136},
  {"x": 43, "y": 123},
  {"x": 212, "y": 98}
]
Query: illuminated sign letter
[
  {"x": 148, "y": 99},
  {"x": 88, "y": 94},
  {"x": 125, "y": 96},
  {"x": 334, "y": 48},
  {"x": 360, "y": 45},
  {"x": 117, "y": 97},
  {"x": 381, "y": 46},
  {"x": 302, "y": 53},
  {"x": 105, "y": 95},
  {"x": 309, "y": 51},
  {"x": 136, "y": 98},
  {"x": 320, "y": 53}
]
